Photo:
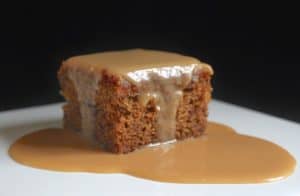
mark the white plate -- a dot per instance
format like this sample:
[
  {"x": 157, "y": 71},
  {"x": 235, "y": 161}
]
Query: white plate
[{"x": 16, "y": 179}]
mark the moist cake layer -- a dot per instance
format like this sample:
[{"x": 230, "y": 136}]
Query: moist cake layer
[{"x": 93, "y": 84}]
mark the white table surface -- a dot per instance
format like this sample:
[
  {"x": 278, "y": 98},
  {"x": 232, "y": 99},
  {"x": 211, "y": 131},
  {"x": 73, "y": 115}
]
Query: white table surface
[{"x": 16, "y": 179}]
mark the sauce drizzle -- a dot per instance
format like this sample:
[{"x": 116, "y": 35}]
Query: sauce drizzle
[{"x": 220, "y": 156}]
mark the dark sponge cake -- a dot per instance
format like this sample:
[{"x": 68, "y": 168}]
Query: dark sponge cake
[{"x": 127, "y": 99}]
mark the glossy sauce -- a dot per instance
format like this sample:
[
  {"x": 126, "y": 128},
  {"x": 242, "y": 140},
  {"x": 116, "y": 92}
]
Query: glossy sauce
[{"x": 220, "y": 156}]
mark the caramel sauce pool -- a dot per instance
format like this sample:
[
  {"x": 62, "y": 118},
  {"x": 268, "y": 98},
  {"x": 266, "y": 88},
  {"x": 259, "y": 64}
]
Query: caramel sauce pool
[{"x": 220, "y": 156}]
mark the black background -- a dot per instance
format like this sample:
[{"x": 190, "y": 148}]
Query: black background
[{"x": 254, "y": 48}]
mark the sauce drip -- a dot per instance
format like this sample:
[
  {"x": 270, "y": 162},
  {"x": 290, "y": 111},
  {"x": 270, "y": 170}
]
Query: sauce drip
[{"x": 220, "y": 156}]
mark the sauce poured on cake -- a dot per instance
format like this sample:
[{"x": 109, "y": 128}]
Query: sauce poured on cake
[
  {"x": 219, "y": 156},
  {"x": 160, "y": 77},
  {"x": 129, "y": 99}
]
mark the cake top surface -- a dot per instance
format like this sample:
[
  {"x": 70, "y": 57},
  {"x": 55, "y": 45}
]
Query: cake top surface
[{"x": 126, "y": 61}]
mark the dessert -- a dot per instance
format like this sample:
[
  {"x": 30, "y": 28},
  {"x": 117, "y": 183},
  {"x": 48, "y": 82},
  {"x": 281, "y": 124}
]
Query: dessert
[{"x": 123, "y": 100}]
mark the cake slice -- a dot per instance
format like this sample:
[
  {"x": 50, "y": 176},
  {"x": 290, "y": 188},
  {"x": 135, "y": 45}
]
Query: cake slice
[{"x": 123, "y": 100}]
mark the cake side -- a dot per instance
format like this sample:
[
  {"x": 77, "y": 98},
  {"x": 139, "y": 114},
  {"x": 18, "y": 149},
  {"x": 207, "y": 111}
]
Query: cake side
[{"x": 122, "y": 124}]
